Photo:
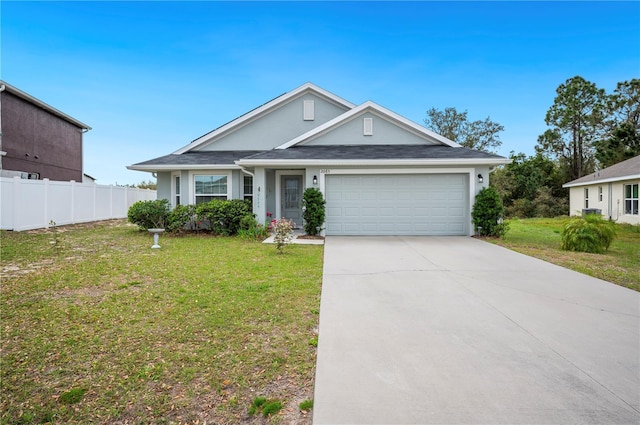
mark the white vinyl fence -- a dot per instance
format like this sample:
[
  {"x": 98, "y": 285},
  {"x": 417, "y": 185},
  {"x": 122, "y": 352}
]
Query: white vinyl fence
[{"x": 33, "y": 204}]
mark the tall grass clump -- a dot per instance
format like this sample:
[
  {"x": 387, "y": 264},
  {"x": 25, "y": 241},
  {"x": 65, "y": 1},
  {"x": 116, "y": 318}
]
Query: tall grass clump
[{"x": 590, "y": 233}]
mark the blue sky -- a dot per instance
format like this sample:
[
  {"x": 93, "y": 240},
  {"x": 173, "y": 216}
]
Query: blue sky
[{"x": 149, "y": 77}]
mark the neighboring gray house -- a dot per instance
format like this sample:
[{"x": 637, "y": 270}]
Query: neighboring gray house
[
  {"x": 613, "y": 192},
  {"x": 380, "y": 173}
]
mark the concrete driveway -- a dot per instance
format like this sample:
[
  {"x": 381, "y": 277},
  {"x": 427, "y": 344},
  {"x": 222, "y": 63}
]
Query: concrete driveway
[{"x": 453, "y": 330}]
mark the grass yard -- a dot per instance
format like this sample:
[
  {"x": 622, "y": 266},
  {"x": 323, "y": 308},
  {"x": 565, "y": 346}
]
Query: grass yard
[
  {"x": 99, "y": 328},
  {"x": 540, "y": 238}
]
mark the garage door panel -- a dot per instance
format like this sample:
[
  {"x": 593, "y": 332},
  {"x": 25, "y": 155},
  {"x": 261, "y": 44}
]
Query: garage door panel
[{"x": 408, "y": 204}]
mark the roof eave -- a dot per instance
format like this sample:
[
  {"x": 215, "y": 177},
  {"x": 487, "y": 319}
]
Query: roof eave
[
  {"x": 361, "y": 109},
  {"x": 175, "y": 167},
  {"x": 26, "y": 96},
  {"x": 239, "y": 122},
  {"x": 372, "y": 162},
  {"x": 598, "y": 181}
]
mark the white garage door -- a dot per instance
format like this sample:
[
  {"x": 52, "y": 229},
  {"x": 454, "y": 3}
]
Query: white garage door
[{"x": 402, "y": 204}]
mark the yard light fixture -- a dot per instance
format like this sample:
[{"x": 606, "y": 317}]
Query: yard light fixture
[
  {"x": 315, "y": 179},
  {"x": 480, "y": 178}
]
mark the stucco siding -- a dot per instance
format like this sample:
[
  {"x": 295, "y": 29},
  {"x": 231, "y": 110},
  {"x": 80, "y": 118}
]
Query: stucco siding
[
  {"x": 352, "y": 133},
  {"x": 37, "y": 141},
  {"x": 277, "y": 127},
  {"x": 612, "y": 203}
]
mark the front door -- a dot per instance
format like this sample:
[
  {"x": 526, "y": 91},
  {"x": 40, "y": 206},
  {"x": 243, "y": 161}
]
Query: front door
[{"x": 291, "y": 198}]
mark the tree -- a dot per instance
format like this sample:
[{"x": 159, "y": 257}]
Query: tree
[
  {"x": 147, "y": 185},
  {"x": 531, "y": 186},
  {"x": 481, "y": 135},
  {"x": 623, "y": 138},
  {"x": 577, "y": 120}
]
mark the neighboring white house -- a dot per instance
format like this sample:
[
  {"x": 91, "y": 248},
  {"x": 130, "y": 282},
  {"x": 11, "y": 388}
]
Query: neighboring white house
[
  {"x": 380, "y": 173},
  {"x": 612, "y": 191}
]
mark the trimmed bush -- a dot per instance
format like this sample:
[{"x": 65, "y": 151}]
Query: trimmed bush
[
  {"x": 589, "y": 234},
  {"x": 487, "y": 214},
  {"x": 181, "y": 219},
  {"x": 149, "y": 214},
  {"x": 314, "y": 214},
  {"x": 223, "y": 216}
]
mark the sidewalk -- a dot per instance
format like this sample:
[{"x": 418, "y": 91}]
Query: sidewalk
[{"x": 297, "y": 240}]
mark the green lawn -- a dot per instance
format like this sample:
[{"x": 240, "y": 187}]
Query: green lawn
[
  {"x": 99, "y": 328},
  {"x": 540, "y": 238}
]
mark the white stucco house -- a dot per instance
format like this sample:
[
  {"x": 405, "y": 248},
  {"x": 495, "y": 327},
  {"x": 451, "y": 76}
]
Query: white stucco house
[
  {"x": 380, "y": 173},
  {"x": 612, "y": 191}
]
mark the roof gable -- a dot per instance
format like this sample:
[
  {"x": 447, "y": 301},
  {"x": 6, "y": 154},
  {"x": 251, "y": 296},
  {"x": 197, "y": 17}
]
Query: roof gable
[
  {"x": 267, "y": 117},
  {"x": 625, "y": 170},
  {"x": 348, "y": 129}
]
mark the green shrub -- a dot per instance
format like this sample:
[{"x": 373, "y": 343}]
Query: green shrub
[
  {"x": 181, "y": 218},
  {"x": 487, "y": 213},
  {"x": 314, "y": 214},
  {"x": 149, "y": 214},
  {"x": 589, "y": 234},
  {"x": 222, "y": 217},
  {"x": 251, "y": 229}
]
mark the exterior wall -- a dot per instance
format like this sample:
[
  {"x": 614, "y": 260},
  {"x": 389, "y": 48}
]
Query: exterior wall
[
  {"x": 278, "y": 127},
  {"x": 612, "y": 203},
  {"x": 384, "y": 133},
  {"x": 163, "y": 183},
  {"x": 36, "y": 141}
]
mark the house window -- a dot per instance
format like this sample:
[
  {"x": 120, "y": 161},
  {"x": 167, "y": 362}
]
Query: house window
[
  {"x": 176, "y": 189},
  {"x": 600, "y": 193},
  {"x": 210, "y": 187},
  {"x": 631, "y": 199},
  {"x": 586, "y": 197},
  {"x": 247, "y": 188}
]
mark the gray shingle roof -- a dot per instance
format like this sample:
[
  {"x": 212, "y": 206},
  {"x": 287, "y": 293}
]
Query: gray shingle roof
[
  {"x": 373, "y": 152},
  {"x": 341, "y": 152},
  {"x": 200, "y": 158},
  {"x": 628, "y": 168}
]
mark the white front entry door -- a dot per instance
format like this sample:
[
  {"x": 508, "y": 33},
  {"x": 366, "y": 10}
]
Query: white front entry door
[{"x": 291, "y": 198}]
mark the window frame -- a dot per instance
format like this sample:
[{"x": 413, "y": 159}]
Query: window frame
[
  {"x": 176, "y": 189},
  {"x": 192, "y": 184},
  {"x": 600, "y": 193},
  {"x": 246, "y": 195},
  {"x": 586, "y": 197},
  {"x": 633, "y": 200}
]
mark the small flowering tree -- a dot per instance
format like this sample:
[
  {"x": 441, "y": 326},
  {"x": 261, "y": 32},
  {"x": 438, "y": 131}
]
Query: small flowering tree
[{"x": 283, "y": 233}]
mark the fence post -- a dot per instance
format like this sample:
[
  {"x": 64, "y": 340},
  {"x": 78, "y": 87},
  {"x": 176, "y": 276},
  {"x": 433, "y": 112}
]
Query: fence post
[
  {"x": 45, "y": 208},
  {"x": 73, "y": 201},
  {"x": 15, "y": 199},
  {"x": 95, "y": 207}
]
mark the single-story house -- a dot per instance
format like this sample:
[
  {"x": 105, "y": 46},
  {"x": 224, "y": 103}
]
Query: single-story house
[
  {"x": 612, "y": 192},
  {"x": 380, "y": 173}
]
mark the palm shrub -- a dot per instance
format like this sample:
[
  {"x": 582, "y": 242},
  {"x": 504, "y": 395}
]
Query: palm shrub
[
  {"x": 149, "y": 214},
  {"x": 487, "y": 214},
  {"x": 591, "y": 234},
  {"x": 314, "y": 214}
]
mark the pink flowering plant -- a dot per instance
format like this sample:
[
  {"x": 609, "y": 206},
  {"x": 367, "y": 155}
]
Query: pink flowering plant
[{"x": 283, "y": 233}]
